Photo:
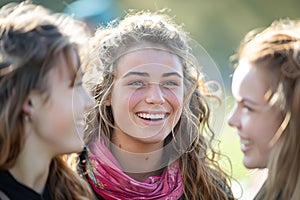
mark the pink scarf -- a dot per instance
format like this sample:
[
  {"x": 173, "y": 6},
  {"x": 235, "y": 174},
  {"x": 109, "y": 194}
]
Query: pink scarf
[{"x": 109, "y": 181}]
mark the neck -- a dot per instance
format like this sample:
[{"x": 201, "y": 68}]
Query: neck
[
  {"x": 131, "y": 144},
  {"x": 142, "y": 177},
  {"x": 138, "y": 160},
  {"x": 32, "y": 166}
]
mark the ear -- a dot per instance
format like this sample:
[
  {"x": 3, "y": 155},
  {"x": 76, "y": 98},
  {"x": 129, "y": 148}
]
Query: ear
[{"x": 27, "y": 107}]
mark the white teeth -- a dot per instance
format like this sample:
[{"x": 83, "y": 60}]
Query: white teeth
[
  {"x": 246, "y": 142},
  {"x": 151, "y": 116}
]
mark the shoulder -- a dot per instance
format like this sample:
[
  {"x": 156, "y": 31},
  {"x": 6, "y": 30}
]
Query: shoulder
[
  {"x": 4, "y": 178},
  {"x": 10, "y": 188}
]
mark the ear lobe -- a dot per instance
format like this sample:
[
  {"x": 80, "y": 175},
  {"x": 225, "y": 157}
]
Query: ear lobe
[{"x": 27, "y": 107}]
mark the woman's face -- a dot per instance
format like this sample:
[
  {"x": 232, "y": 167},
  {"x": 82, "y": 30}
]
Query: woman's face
[
  {"x": 255, "y": 121},
  {"x": 147, "y": 95},
  {"x": 59, "y": 122}
]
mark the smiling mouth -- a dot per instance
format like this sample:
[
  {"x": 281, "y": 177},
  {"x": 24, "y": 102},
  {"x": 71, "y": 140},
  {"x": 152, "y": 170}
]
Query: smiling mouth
[
  {"x": 151, "y": 117},
  {"x": 246, "y": 142}
]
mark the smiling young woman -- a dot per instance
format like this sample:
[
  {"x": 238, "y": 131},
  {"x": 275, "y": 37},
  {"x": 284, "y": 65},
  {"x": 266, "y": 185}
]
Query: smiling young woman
[
  {"x": 145, "y": 137},
  {"x": 266, "y": 87}
]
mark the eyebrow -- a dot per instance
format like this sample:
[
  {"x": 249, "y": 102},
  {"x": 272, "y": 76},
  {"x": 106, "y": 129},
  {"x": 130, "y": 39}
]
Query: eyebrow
[
  {"x": 171, "y": 74},
  {"x": 136, "y": 74},
  {"x": 145, "y": 74},
  {"x": 243, "y": 100}
]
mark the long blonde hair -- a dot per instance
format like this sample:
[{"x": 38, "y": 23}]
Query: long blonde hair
[
  {"x": 31, "y": 40},
  {"x": 279, "y": 47},
  {"x": 202, "y": 176}
]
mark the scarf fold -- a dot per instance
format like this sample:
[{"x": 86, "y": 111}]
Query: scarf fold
[{"x": 107, "y": 179}]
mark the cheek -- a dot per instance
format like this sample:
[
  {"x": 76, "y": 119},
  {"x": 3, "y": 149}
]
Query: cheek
[
  {"x": 63, "y": 124},
  {"x": 252, "y": 127},
  {"x": 134, "y": 97},
  {"x": 174, "y": 97},
  {"x": 175, "y": 100},
  {"x": 263, "y": 129},
  {"x": 272, "y": 127},
  {"x": 122, "y": 102},
  {"x": 56, "y": 128},
  {"x": 64, "y": 113}
]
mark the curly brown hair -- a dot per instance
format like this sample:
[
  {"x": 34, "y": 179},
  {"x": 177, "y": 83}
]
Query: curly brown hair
[{"x": 202, "y": 176}]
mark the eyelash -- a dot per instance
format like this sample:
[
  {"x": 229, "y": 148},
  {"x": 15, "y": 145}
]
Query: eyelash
[
  {"x": 167, "y": 84},
  {"x": 247, "y": 108},
  {"x": 137, "y": 83},
  {"x": 172, "y": 83}
]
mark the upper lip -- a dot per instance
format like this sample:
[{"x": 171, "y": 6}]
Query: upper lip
[{"x": 242, "y": 137}]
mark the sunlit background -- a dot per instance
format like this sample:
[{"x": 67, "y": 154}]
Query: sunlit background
[{"x": 218, "y": 26}]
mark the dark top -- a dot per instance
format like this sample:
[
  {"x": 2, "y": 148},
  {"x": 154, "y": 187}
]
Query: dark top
[{"x": 15, "y": 190}]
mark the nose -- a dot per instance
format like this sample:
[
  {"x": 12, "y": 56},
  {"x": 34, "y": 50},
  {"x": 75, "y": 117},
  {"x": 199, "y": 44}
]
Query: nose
[
  {"x": 154, "y": 94},
  {"x": 233, "y": 118}
]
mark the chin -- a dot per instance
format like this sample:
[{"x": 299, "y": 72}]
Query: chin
[
  {"x": 78, "y": 149},
  {"x": 75, "y": 149},
  {"x": 253, "y": 165},
  {"x": 248, "y": 164}
]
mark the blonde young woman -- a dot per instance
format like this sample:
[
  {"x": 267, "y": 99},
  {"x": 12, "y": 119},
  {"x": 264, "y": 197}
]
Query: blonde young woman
[
  {"x": 266, "y": 87},
  {"x": 42, "y": 105},
  {"x": 146, "y": 135}
]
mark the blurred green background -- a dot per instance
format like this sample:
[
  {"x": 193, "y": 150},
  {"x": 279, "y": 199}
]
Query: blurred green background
[{"x": 218, "y": 25}]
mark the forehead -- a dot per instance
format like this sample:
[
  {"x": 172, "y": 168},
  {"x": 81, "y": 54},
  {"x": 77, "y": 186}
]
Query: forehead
[
  {"x": 249, "y": 82},
  {"x": 150, "y": 60}
]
